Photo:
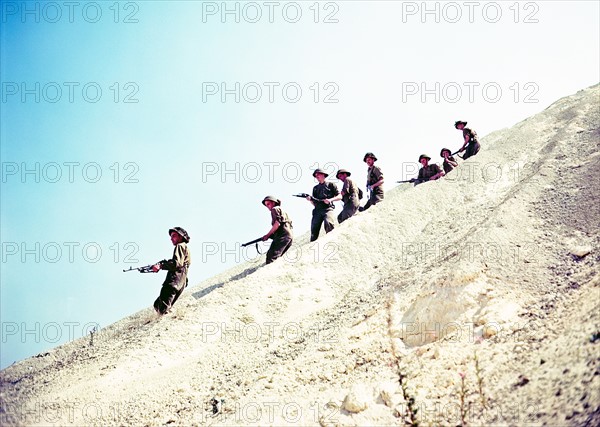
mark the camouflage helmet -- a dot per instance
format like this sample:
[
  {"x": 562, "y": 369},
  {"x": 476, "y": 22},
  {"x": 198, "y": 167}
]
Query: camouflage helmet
[
  {"x": 445, "y": 149},
  {"x": 424, "y": 156},
  {"x": 272, "y": 199},
  {"x": 458, "y": 122},
  {"x": 371, "y": 155},
  {"x": 184, "y": 235},
  {"x": 337, "y": 174},
  {"x": 320, "y": 171}
]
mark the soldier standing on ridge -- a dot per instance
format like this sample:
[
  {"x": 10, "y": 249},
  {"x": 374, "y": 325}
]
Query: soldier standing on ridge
[
  {"x": 449, "y": 161},
  {"x": 374, "y": 182},
  {"x": 428, "y": 172},
  {"x": 281, "y": 229},
  {"x": 177, "y": 267},
  {"x": 349, "y": 196},
  {"x": 323, "y": 211},
  {"x": 471, "y": 142}
]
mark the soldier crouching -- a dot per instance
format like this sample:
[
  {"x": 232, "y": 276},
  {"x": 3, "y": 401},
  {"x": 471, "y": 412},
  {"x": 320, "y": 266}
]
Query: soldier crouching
[{"x": 177, "y": 270}]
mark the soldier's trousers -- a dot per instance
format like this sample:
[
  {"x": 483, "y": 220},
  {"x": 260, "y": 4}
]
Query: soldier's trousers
[
  {"x": 350, "y": 209},
  {"x": 321, "y": 217},
  {"x": 471, "y": 150},
  {"x": 168, "y": 295},
  {"x": 278, "y": 247},
  {"x": 376, "y": 197}
]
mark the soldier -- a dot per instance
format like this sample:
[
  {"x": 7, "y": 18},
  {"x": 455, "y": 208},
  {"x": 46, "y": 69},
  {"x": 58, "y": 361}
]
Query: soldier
[
  {"x": 374, "y": 182},
  {"x": 281, "y": 229},
  {"x": 449, "y": 161},
  {"x": 323, "y": 211},
  {"x": 349, "y": 195},
  {"x": 177, "y": 267},
  {"x": 428, "y": 172},
  {"x": 471, "y": 142}
]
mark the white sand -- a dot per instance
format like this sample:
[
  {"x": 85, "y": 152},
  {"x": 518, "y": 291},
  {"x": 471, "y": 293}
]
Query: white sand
[{"x": 499, "y": 261}]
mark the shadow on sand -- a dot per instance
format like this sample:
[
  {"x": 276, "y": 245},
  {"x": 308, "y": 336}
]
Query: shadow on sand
[{"x": 208, "y": 290}]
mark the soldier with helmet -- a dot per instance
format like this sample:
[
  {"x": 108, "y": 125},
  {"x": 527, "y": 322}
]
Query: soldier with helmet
[
  {"x": 177, "y": 267},
  {"x": 322, "y": 194},
  {"x": 281, "y": 229},
  {"x": 374, "y": 181},
  {"x": 428, "y": 172},
  {"x": 471, "y": 142},
  {"x": 349, "y": 195},
  {"x": 449, "y": 160}
]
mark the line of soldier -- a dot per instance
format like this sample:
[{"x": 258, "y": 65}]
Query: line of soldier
[
  {"x": 323, "y": 196},
  {"x": 431, "y": 172}
]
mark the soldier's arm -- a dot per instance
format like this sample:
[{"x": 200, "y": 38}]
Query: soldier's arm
[
  {"x": 379, "y": 181},
  {"x": 177, "y": 261}
]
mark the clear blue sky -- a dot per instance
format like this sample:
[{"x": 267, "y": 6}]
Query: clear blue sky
[{"x": 114, "y": 129}]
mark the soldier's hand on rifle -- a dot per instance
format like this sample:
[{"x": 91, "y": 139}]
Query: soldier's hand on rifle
[
  {"x": 156, "y": 267},
  {"x": 265, "y": 237},
  {"x": 308, "y": 198}
]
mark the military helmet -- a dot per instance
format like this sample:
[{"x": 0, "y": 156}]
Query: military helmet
[
  {"x": 458, "y": 122},
  {"x": 424, "y": 156},
  {"x": 337, "y": 174},
  {"x": 272, "y": 199},
  {"x": 184, "y": 235},
  {"x": 320, "y": 171},
  {"x": 371, "y": 155},
  {"x": 445, "y": 149}
]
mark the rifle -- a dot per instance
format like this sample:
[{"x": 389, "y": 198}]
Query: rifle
[
  {"x": 144, "y": 269},
  {"x": 255, "y": 241},
  {"x": 410, "y": 181},
  {"x": 305, "y": 195}
]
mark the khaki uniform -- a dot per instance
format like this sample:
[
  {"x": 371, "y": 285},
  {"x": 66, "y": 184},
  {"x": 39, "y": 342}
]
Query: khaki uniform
[
  {"x": 176, "y": 280},
  {"x": 425, "y": 173},
  {"x": 473, "y": 146},
  {"x": 374, "y": 174},
  {"x": 350, "y": 199},
  {"x": 282, "y": 238},
  {"x": 447, "y": 166},
  {"x": 323, "y": 212}
]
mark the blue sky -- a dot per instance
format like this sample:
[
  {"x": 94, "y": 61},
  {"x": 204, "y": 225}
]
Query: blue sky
[{"x": 128, "y": 138}]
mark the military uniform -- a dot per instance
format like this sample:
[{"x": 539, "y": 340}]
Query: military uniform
[
  {"x": 426, "y": 172},
  {"x": 323, "y": 212},
  {"x": 374, "y": 174},
  {"x": 450, "y": 162},
  {"x": 282, "y": 238},
  {"x": 448, "y": 166},
  {"x": 350, "y": 200},
  {"x": 177, "y": 270},
  {"x": 473, "y": 146}
]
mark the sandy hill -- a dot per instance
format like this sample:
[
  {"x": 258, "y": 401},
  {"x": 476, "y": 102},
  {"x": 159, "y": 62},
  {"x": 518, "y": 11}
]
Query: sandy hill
[{"x": 471, "y": 300}]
